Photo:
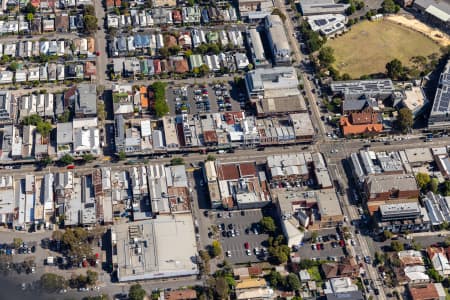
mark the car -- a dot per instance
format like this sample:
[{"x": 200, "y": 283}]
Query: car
[
  {"x": 322, "y": 246},
  {"x": 318, "y": 246},
  {"x": 376, "y": 291},
  {"x": 206, "y": 213},
  {"x": 333, "y": 244},
  {"x": 230, "y": 226},
  {"x": 313, "y": 246},
  {"x": 256, "y": 250},
  {"x": 255, "y": 231},
  {"x": 70, "y": 167},
  {"x": 228, "y": 253},
  {"x": 247, "y": 231},
  {"x": 248, "y": 252},
  {"x": 246, "y": 245},
  {"x": 210, "y": 234},
  {"x": 224, "y": 233},
  {"x": 352, "y": 242},
  {"x": 366, "y": 281},
  {"x": 222, "y": 226},
  {"x": 242, "y": 213},
  {"x": 342, "y": 243}
]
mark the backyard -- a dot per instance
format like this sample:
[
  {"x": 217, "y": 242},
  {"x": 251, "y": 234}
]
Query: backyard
[{"x": 368, "y": 46}]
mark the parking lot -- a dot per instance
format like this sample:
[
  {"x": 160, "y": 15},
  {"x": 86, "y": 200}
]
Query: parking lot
[
  {"x": 245, "y": 226},
  {"x": 202, "y": 98},
  {"x": 332, "y": 249}
]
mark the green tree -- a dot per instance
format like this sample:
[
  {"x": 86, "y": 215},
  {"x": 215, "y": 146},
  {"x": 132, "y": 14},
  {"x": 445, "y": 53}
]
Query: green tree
[
  {"x": 389, "y": 7},
  {"x": 44, "y": 128},
  {"x": 177, "y": 161},
  {"x": 13, "y": 66},
  {"x": 92, "y": 277},
  {"x": 45, "y": 161},
  {"x": 405, "y": 119},
  {"x": 136, "y": 292},
  {"x": 29, "y": 9},
  {"x": 397, "y": 246},
  {"x": 216, "y": 249},
  {"x": 274, "y": 278},
  {"x": 101, "y": 113},
  {"x": 164, "y": 51},
  {"x": 434, "y": 275},
  {"x": 250, "y": 66},
  {"x": 30, "y": 17},
  {"x": 446, "y": 188},
  {"x": 326, "y": 56},
  {"x": 122, "y": 155},
  {"x": 278, "y": 12},
  {"x": 314, "y": 236},
  {"x": 88, "y": 157},
  {"x": 210, "y": 157},
  {"x": 387, "y": 234},
  {"x": 51, "y": 282},
  {"x": 66, "y": 159},
  {"x": 268, "y": 224},
  {"x": 434, "y": 185},
  {"x": 17, "y": 242},
  {"x": 423, "y": 179},
  {"x": 32, "y": 120},
  {"x": 90, "y": 23},
  {"x": 394, "y": 68},
  {"x": 65, "y": 116},
  {"x": 89, "y": 10},
  {"x": 293, "y": 282}
]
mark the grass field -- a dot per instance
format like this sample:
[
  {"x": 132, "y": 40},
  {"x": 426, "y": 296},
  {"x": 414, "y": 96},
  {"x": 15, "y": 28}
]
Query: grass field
[{"x": 368, "y": 46}]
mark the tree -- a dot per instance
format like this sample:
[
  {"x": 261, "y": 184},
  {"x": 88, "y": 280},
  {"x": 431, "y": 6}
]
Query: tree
[
  {"x": 210, "y": 157},
  {"x": 268, "y": 224},
  {"x": 446, "y": 188},
  {"x": 434, "y": 274},
  {"x": 177, "y": 161},
  {"x": 394, "y": 69},
  {"x": 387, "y": 234},
  {"x": 89, "y": 10},
  {"x": 57, "y": 235},
  {"x": 389, "y": 6},
  {"x": 65, "y": 117},
  {"x": 326, "y": 56},
  {"x": 122, "y": 155},
  {"x": 44, "y": 128},
  {"x": 32, "y": 120},
  {"x": 45, "y": 161},
  {"x": 13, "y": 66},
  {"x": 405, "y": 119},
  {"x": 17, "y": 242},
  {"x": 314, "y": 236},
  {"x": 51, "y": 282},
  {"x": 250, "y": 66},
  {"x": 30, "y": 17},
  {"x": 164, "y": 51},
  {"x": 397, "y": 246},
  {"x": 29, "y": 9},
  {"x": 101, "y": 113},
  {"x": 90, "y": 23},
  {"x": 92, "y": 277},
  {"x": 88, "y": 157},
  {"x": 275, "y": 278},
  {"x": 434, "y": 185},
  {"x": 136, "y": 292},
  {"x": 293, "y": 282},
  {"x": 216, "y": 249},
  {"x": 423, "y": 179},
  {"x": 278, "y": 12},
  {"x": 222, "y": 288},
  {"x": 67, "y": 159}
]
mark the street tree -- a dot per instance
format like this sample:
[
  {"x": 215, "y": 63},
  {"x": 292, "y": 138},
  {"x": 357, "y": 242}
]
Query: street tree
[
  {"x": 423, "y": 179},
  {"x": 66, "y": 159},
  {"x": 268, "y": 224},
  {"x": 216, "y": 248},
  {"x": 397, "y": 246},
  {"x": 405, "y": 119},
  {"x": 136, "y": 292}
]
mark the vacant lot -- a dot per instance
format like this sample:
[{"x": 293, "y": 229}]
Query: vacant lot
[{"x": 368, "y": 46}]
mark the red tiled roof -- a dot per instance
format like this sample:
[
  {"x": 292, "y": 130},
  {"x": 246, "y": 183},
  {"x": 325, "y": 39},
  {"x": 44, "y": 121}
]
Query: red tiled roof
[
  {"x": 254, "y": 271},
  {"x": 228, "y": 172},
  {"x": 210, "y": 136},
  {"x": 89, "y": 69},
  {"x": 157, "y": 65},
  {"x": 35, "y": 3},
  {"x": 176, "y": 15},
  {"x": 170, "y": 41},
  {"x": 109, "y": 3},
  {"x": 247, "y": 169},
  {"x": 180, "y": 66},
  {"x": 424, "y": 292},
  {"x": 349, "y": 128},
  {"x": 180, "y": 295}
]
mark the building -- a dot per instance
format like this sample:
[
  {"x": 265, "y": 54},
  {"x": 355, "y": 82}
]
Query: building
[
  {"x": 85, "y": 100},
  {"x": 6, "y": 106},
  {"x": 278, "y": 40},
  {"x": 415, "y": 100},
  {"x": 439, "y": 260},
  {"x": 354, "y": 295},
  {"x": 248, "y": 8},
  {"x": 145, "y": 249},
  {"x": 187, "y": 294},
  {"x": 328, "y": 25},
  {"x": 340, "y": 285},
  {"x": 430, "y": 291},
  {"x": 438, "y": 208},
  {"x": 390, "y": 189},
  {"x": 303, "y": 127},
  {"x": 322, "y": 7},
  {"x": 256, "y": 48},
  {"x": 363, "y": 89},
  {"x": 439, "y": 116},
  {"x": 435, "y": 12}
]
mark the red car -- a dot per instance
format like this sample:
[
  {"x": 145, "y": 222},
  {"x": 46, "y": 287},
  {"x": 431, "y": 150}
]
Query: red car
[
  {"x": 342, "y": 243},
  {"x": 318, "y": 246},
  {"x": 246, "y": 245},
  {"x": 70, "y": 167}
]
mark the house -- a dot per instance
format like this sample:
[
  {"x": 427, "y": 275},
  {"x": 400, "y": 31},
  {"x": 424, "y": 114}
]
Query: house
[
  {"x": 180, "y": 64},
  {"x": 439, "y": 260},
  {"x": 62, "y": 22},
  {"x": 348, "y": 268},
  {"x": 185, "y": 40},
  {"x": 85, "y": 101},
  {"x": 241, "y": 60},
  {"x": 430, "y": 291},
  {"x": 195, "y": 61},
  {"x": 366, "y": 122},
  {"x": 191, "y": 14}
]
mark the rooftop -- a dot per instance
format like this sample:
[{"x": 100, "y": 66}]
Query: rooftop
[{"x": 386, "y": 183}]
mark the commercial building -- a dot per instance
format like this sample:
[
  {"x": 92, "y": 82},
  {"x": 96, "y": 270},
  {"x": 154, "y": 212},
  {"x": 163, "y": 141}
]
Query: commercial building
[
  {"x": 328, "y": 25},
  {"x": 439, "y": 116},
  {"x": 415, "y": 100},
  {"x": 436, "y": 12},
  {"x": 147, "y": 249},
  {"x": 430, "y": 291},
  {"x": 390, "y": 189},
  {"x": 359, "y": 89},
  {"x": 322, "y": 7},
  {"x": 278, "y": 40},
  {"x": 438, "y": 208},
  {"x": 256, "y": 48}
]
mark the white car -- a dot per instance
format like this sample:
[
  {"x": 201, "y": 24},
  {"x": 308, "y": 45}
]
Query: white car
[
  {"x": 228, "y": 253},
  {"x": 248, "y": 252},
  {"x": 352, "y": 242}
]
